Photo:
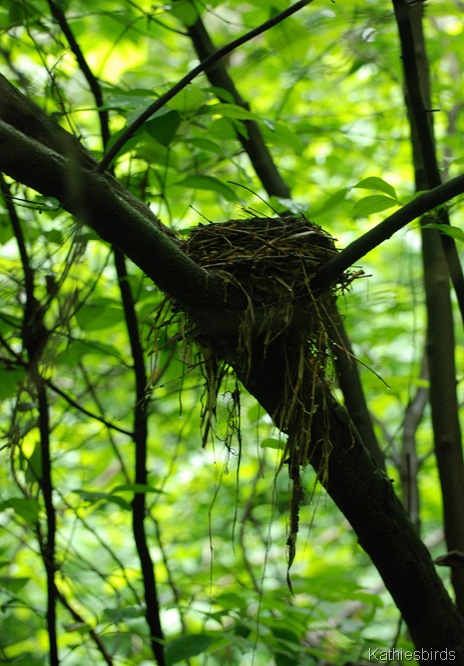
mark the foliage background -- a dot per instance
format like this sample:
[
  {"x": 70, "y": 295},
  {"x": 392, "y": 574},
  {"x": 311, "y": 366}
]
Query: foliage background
[{"x": 325, "y": 88}]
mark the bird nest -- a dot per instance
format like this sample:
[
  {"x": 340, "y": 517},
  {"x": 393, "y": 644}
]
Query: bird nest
[
  {"x": 284, "y": 330},
  {"x": 270, "y": 262}
]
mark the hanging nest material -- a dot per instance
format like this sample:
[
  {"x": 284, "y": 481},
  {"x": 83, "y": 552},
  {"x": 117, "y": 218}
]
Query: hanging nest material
[{"x": 284, "y": 328}]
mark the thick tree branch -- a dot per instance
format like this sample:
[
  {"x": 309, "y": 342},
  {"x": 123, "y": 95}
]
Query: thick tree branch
[
  {"x": 100, "y": 201},
  {"x": 360, "y": 489},
  {"x": 366, "y": 497}
]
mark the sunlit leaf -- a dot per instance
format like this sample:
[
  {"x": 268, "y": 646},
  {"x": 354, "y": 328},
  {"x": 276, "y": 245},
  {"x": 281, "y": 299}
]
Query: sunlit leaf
[
  {"x": 373, "y": 204},
  {"x": 201, "y": 182},
  {"x": 375, "y": 183},
  {"x": 28, "y": 509},
  {"x": 229, "y": 111},
  {"x": 453, "y": 232}
]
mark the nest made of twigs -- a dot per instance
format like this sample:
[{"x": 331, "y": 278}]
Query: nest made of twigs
[{"x": 272, "y": 262}]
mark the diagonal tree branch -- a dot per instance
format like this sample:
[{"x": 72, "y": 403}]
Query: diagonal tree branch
[
  {"x": 208, "y": 62},
  {"x": 350, "y": 255}
]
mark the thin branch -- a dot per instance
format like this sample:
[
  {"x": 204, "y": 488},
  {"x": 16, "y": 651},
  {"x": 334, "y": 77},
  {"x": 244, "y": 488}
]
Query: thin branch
[
  {"x": 94, "y": 85},
  {"x": 346, "y": 367},
  {"x": 410, "y": 464},
  {"x": 85, "y": 411},
  {"x": 140, "y": 436},
  {"x": 34, "y": 336},
  {"x": 48, "y": 546},
  {"x": 188, "y": 78},
  {"x": 92, "y": 633}
]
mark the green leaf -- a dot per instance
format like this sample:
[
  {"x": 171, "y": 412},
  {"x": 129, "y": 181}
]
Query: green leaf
[
  {"x": 229, "y": 111},
  {"x": 332, "y": 202},
  {"x": 34, "y": 465},
  {"x": 373, "y": 204},
  {"x": 272, "y": 443},
  {"x": 207, "y": 145},
  {"x": 222, "y": 94},
  {"x": 54, "y": 236},
  {"x": 185, "y": 647},
  {"x": 79, "y": 348},
  {"x": 184, "y": 11},
  {"x": 13, "y": 584},
  {"x": 99, "y": 315},
  {"x": 11, "y": 378},
  {"x": 6, "y": 230},
  {"x": 26, "y": 508},
  {"x": 208, "y": 183},
  {"x": 282, "y": 135},
  {"x": 453, "y": 232},
  {"x": 231, "y": 601},
  {"x": 117, "y": 615},
  {"x": 163, "y": 126},
  {"x": 93, "y": 497},
  {"x": 135, "y": 488},
  {"x": 187, "y": 101},
  {"x": 375, "y": 183}
]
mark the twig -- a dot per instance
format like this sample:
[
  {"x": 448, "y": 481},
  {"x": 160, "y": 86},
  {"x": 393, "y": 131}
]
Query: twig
[
  {"x": 85, "y": 411},
  {"x": 94, "y": 85},
  {"x": 152, "y": 609}
]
